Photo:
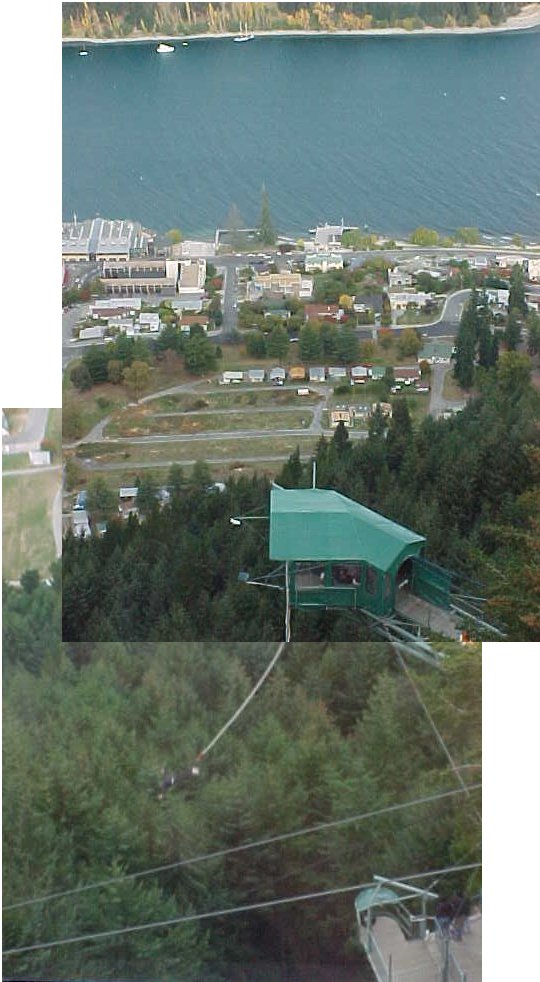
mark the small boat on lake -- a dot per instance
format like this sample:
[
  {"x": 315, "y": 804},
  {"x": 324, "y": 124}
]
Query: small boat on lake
[
  {"x": 83, "y": 52},
  {"x": 164, "y": 49},
  {"x": 244, "y": 36}
]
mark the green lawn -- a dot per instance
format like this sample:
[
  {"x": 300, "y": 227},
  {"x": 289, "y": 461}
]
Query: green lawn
[
  {"x": 130, "y": 455},
  {"x": 53, "y": 433},
  {"x": 27, "y": 536},
  {"x": 14, "y": 461},
  {"x": 420, "y": 317}
]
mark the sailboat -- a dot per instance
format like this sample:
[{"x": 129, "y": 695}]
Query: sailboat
[
  {"x": 163, "y": 49},
  {"x": 244, "y": 36}
]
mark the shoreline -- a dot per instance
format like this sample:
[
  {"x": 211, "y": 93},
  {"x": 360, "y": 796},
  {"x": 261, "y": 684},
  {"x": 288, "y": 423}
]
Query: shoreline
[{"x": 520, "y": 22}]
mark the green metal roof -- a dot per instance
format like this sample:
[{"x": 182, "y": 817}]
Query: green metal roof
[
  {"x": 313, "y": 524},
  {"x": 374, "y": 897}
]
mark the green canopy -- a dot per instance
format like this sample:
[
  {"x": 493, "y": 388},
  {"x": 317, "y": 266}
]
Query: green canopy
[
  {"x": 313, "y": 524},
  {"x": 374, "y": 897}
]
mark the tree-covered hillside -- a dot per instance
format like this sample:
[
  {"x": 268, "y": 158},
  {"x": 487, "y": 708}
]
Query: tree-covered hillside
[
  {"x": 131, "y": 19},
  {"x": 468, "y": 484},
  {"x": 337, "y": 732}
]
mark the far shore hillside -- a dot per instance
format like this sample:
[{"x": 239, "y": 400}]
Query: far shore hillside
[{"x": 98, "y": 23}]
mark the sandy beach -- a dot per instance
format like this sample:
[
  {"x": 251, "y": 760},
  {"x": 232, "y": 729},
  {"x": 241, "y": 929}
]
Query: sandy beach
[{"x": 527, "y": 20}]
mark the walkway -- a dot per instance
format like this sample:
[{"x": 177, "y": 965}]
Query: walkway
[
  {"x": 433, "y": 618},
  {"x": 420, "y": 961}
]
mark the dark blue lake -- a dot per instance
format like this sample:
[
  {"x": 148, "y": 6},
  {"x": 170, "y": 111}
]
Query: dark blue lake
[{"x": 388, "y": 132}]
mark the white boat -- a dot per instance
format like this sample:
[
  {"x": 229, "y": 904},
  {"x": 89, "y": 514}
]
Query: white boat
[
  {"x": 83, "y": 52},
  {"x": 163, "y": 49},
  {"x": 244, "y": 36}
]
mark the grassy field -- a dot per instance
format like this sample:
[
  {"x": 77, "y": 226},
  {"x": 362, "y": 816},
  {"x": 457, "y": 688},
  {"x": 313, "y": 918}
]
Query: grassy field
[
  {"x": 53, "y": 433},
  {"x": 15, "y": 461},
  {"x": 231, "y": 398},
  {"x": 188, "y": 423},
  {"x": 414, "y": 317},
  {"x": 27, "y": 536},
  {"x": 131, "y": 454}
]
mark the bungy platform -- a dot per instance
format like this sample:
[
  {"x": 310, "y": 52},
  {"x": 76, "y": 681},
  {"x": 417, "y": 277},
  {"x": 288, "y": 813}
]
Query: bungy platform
[
  {"x": 394, "y": 959},
  {"x": 432, "y": 618}
]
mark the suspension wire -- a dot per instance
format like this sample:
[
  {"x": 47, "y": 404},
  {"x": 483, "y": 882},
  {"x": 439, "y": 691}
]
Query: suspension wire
[
  {"x": 245, "y": 703},
  {"x": 185, "y": 918},
  {"x": 258, "y": 843},
  {"x": 440, "y": 740}
]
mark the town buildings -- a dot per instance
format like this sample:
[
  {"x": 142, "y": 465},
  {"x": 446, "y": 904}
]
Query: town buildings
[
  {"x": 98, "y": 239},
  {"x": 286, "y": 284}
]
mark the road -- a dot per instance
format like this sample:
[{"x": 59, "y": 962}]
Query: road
[
  {"x": 69, "y": 320},
  {"x": 231, "y": 264},
  {"x": 224, "y": 435},
  {"x": 26, "y": 471}
]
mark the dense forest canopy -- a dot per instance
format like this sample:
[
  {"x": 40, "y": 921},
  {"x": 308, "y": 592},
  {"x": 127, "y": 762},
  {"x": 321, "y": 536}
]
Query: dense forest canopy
[
  {"x": 468, "y": 484},
  {"x": 125, "y": 19},
  {"x": 336, "y": 732}
]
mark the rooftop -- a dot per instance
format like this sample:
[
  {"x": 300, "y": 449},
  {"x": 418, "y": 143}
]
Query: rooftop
[{"x": 315, "y": 524}]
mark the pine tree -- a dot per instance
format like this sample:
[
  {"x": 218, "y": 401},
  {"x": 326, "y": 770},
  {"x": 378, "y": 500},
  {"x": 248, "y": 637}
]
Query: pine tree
[
  {"x": 267, "y": 233},
  {"x": 517, "y": 299}
]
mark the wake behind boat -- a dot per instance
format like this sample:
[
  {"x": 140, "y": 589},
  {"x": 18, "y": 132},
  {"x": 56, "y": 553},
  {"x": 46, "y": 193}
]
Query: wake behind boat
[{"x": 163, "y": 49}]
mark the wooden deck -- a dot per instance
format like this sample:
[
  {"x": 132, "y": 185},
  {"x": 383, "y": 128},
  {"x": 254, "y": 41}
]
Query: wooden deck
[{"x": 420, "y": 961}]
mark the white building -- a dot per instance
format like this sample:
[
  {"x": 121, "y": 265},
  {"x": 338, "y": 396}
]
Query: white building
[
  {"x": 192, "y": 275},
  {"x": 277, "y": 375},
  {"x": 337, "y": 372},
  {"x": 231, "y": 377},
  {"x": 323, "y": 261},
  {"x": 190, "y": 249},
  {"x": 120, "y": 304},
  {"x": 498, "y": 298},
  {"x": 399, "y": 277},
  {"x": 149, "y": 322},
  {"x": 328, "y": 237},
  {"x": 400, "y": 300},
  {"x": 533, "y": 269},
  {"x": 256, "y": 374},
  {"x": 506, "y": 262},
  {"x": 92, "y": 333}
]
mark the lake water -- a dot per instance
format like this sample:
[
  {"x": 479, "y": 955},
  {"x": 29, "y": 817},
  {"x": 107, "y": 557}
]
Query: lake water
[{"x": 387, "y": 132}]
